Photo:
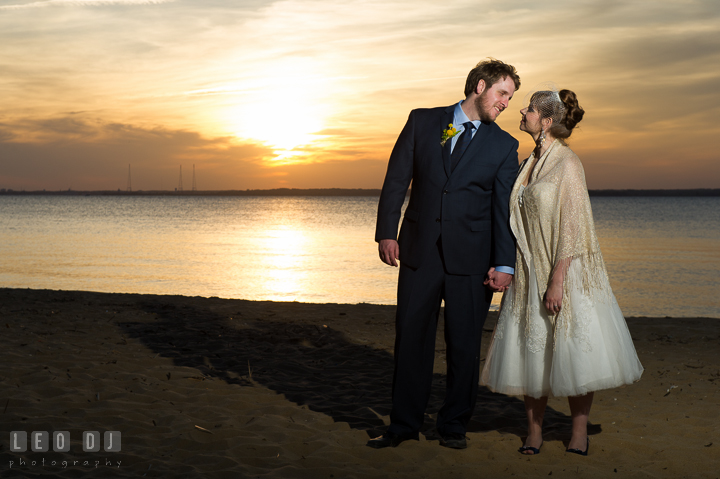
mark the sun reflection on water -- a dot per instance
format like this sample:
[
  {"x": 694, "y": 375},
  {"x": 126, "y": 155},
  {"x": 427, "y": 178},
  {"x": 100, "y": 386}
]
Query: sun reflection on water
[{"x": 285, "y": 255}]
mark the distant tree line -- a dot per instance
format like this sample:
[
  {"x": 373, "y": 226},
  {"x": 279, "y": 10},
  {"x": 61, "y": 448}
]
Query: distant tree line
[
  {"x": 326, "y": 192},
  {"x": 695, "y": 192}
]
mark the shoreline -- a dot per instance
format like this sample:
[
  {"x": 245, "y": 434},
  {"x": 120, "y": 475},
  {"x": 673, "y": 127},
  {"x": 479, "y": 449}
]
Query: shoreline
[
  {"x": 211, "y": 387},
  {"x": 494, "y": 308}
]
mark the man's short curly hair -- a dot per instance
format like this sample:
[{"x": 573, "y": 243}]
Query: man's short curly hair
[{"x": 492, "y": 71}]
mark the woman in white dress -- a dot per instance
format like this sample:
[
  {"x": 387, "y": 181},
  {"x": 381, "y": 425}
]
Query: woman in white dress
[{"x": 560, "y": 331}]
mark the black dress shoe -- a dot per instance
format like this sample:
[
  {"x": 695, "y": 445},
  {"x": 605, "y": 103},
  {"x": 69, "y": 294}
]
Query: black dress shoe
[
  {"x": 390, "y": 439},
  {"x": 453, "y": 441}
]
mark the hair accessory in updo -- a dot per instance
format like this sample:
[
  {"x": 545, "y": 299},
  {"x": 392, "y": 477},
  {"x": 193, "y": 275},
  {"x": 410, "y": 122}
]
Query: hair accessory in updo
[
  {"x": 545, "y": 100},
  {"x": 560, "y": 106}
]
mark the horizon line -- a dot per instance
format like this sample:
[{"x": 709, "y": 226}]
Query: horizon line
[{"x": 335, "y": 192}]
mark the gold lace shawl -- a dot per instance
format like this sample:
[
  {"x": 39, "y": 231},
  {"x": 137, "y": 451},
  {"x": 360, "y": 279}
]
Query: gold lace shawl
[{"x": 557, "y": 228}]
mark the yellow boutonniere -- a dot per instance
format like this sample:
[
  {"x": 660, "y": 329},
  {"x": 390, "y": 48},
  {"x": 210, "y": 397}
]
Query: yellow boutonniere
[{"x": 448, "y": 133}]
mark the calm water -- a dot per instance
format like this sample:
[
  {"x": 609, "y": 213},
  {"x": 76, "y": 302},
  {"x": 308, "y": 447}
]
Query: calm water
[{"x": 663, "y": 254}]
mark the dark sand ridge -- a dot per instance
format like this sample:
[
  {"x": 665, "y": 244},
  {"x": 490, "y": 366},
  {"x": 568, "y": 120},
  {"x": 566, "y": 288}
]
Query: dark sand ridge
[{"x": 295, "y": 390}]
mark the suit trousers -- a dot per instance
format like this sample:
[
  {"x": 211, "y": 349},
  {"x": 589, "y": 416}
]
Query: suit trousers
[{"x": 467, "y": 300}]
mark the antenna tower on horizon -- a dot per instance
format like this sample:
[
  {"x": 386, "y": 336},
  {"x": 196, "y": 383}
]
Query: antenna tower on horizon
[
  {"x": 194, "y": 186},
  {"x": 180, "y": 188},
  {"x": 129, "y": 185}
]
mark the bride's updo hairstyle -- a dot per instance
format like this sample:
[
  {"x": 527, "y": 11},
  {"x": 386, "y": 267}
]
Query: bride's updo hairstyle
[{"x": 562, "y": 107}]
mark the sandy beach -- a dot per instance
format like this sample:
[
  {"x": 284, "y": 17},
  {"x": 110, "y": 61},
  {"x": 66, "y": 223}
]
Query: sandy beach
[{"x": 220, "y": 388}]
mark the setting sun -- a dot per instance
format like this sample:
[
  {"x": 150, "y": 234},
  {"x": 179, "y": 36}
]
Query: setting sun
[{"x": 285, "y": 111}]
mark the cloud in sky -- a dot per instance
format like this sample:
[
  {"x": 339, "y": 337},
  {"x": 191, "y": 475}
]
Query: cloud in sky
[
  {"x": 73, "y": 152},
  {"x": 310, "y": 86},
  {"x": 78, "y": 3}
]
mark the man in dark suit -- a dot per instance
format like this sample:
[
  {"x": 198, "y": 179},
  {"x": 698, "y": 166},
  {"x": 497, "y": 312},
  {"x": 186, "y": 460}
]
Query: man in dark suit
[{"x": 455, "y": 244}]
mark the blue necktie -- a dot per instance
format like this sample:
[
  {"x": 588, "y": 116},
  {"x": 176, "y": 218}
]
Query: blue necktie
[{"x": 462, "y": 144}]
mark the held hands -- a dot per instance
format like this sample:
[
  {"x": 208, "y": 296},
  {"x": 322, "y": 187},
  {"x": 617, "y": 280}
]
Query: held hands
[
  {"x": 497, "y": 281},
  {"x": 389, "y": 251}
]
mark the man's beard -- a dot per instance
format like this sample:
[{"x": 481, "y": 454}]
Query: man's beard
[{"x": 483, "y": 113}]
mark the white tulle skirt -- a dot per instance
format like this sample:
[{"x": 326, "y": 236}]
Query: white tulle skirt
[{"x": 588, "y": 350}]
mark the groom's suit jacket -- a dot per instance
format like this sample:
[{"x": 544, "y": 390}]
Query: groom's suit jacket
[{"x": 468, "y": 207}]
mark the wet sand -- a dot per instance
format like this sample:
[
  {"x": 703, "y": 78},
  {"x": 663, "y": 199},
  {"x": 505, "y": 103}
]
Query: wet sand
[{"x": 218, "y": 388}]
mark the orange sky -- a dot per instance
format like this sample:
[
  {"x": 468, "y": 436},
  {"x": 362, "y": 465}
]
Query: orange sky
[{"x": 312, "y": 94}]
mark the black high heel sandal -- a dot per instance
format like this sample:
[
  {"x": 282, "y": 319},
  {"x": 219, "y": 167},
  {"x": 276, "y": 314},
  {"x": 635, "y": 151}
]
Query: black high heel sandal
[
  {"x": 578, "y": 451},
  {"x": 535, "y": 450}
]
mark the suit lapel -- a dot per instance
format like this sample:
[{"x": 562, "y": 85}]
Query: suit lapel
[
  {"x": 475, "y": 145},
  {"x": 446, "y": 120}
]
